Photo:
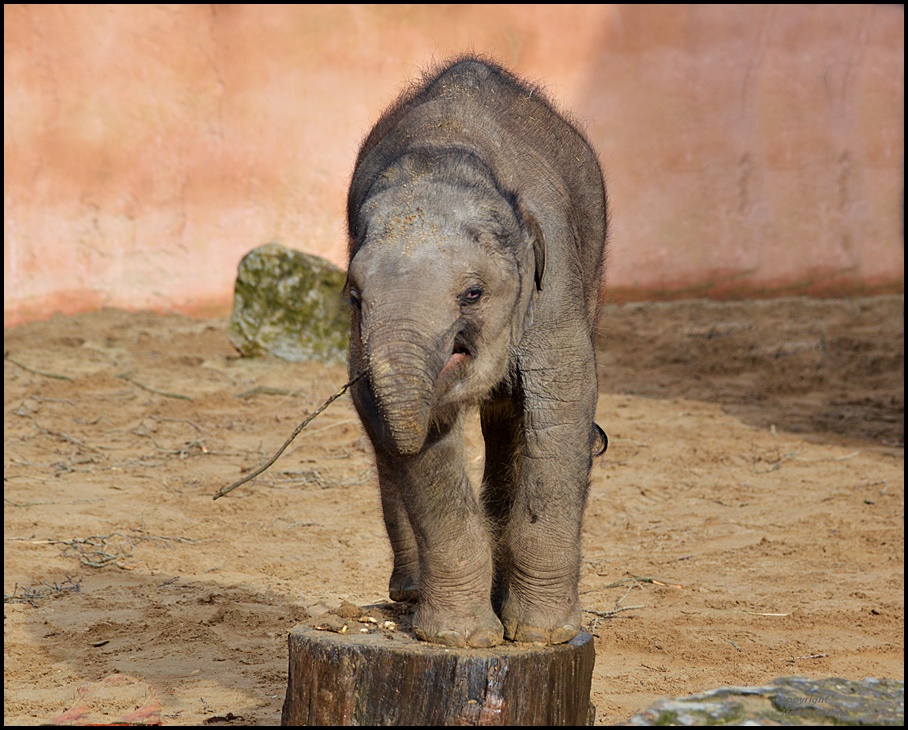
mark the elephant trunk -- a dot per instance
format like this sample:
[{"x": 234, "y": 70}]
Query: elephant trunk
[{"x": 402, "y": 368}]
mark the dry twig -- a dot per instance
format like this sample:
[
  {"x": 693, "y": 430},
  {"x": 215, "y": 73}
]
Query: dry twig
[
  {"x": 613, "y": 612},
  {"x": 128, "y": 377},
  {"x": 264, "y": 390},
  {"x": 36, "y": 372},
  {"x": 97, "y": 551},
  {"x": 642, "y": 579},
  {"x": 56, "y": 434},
  {"x": 224, "y": 490},
  {"x": 793, "y": 659},
  {"x": 30, "y": 595}
]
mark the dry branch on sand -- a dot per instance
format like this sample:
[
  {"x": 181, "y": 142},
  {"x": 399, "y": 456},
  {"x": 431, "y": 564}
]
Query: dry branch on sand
[
  {"x": 224, "y": 490},
  {"x": 98, "y": 551}
]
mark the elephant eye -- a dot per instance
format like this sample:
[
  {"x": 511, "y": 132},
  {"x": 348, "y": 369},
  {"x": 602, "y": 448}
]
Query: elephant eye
[
  {"x": 354, "y": 295},
  {"x": 471, "y": 295}
]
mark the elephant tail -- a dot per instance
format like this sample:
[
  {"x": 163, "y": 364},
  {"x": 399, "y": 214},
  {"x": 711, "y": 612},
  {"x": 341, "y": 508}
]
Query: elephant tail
[{"x": 599, "y": 440}]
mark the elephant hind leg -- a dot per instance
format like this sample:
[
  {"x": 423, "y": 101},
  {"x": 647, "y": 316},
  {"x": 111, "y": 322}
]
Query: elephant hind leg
[{"x": 501, "y": 433}]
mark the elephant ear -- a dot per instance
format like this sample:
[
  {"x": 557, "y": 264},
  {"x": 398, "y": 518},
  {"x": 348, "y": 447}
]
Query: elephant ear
[
  {"x": 531, "y": 262},
  {"x": 533, "y": 234}
]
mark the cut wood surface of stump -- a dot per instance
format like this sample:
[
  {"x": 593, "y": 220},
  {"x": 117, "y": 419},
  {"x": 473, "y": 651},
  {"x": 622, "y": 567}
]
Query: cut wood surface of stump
[{"x": 371, "y": 670}]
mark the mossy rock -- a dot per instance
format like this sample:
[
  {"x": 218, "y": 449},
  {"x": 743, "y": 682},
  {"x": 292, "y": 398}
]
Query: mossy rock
[
  {"x": 291, "y": 305},
  {"x": 786, "y": 701}
]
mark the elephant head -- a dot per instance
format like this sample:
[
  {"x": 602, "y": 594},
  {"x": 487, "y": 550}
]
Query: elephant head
[{"x": 443, "y": 272}]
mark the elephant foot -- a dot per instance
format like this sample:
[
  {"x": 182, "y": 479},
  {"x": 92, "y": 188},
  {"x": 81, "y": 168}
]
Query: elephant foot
[
  {"x": 403, "y": 588},
  {"x": 533, "y": 624},
  {"x": 481, "y": 629}
]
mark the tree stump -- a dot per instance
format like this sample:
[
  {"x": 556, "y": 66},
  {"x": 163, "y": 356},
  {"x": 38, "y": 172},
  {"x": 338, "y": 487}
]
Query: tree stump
[{"x": 348, "y": 673}]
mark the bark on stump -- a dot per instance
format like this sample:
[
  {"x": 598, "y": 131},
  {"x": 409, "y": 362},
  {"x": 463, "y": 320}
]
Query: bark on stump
[{"x": 391, "y": 679}]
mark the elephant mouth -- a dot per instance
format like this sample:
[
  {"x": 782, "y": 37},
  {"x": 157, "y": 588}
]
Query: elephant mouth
[{"x": 456, "y": 364}]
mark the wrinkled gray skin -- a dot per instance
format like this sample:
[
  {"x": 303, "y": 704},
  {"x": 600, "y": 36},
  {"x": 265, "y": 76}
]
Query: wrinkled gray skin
[{"x": 477, "y": 222}]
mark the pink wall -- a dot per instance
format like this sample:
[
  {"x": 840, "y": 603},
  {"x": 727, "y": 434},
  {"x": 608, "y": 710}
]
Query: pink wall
[{"x": 749, "y": 150}]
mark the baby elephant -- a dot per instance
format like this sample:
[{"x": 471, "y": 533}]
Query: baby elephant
[{"x": 477, "y": 225}]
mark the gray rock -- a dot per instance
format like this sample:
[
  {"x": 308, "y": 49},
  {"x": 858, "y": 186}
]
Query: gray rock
[
  {"x": 290, "y": 304},
  {"x": 786, "y": 701}
]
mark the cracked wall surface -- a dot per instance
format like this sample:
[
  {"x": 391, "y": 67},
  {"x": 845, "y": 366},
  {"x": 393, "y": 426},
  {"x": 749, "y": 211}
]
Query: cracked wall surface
[{"x": 749, "y": 150}]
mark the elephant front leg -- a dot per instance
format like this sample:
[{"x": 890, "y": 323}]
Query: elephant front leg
[
  {"x": 404, "y": 582},
  {"x": 403, "y": 585},
  {"x": 541, "y": 543},
  {"x": 455, "y": 558}
]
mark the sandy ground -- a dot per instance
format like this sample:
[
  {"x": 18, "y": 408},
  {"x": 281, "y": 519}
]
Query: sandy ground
[{"x": 747, "y": 520}]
